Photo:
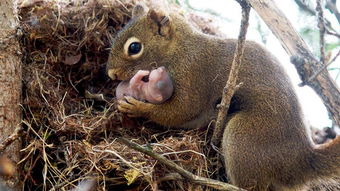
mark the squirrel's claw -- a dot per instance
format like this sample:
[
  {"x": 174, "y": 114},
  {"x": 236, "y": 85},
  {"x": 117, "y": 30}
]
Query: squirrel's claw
[{"x": 133, "y": 107}]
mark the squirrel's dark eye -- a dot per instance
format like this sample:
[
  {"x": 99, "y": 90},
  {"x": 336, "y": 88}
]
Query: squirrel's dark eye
[{"x": 135, "y": 48}]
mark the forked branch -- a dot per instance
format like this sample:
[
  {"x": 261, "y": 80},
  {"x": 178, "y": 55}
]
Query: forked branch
[
  {"x": 231, "y": 86},
  {"x": 173, "y": 166}
]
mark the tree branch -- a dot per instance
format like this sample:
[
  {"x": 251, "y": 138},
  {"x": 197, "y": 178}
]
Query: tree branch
[
  {"x": 231, "y": 87},
  {"x": 331, "y": 6},
  {"x": 311, "y": 11},
  {"x": 305, "y": 7},
  {"x": 301, "y": 57},
  {"x": 324, "y": 67},
  {"x": 322, "y": 28},
  {"x": 186, "y": 174}
]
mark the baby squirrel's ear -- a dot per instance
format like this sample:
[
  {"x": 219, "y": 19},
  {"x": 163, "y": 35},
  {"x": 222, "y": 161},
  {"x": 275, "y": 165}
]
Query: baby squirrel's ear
[
  {"x": 139, "y": 10},
  {"x": 162, "y": 21}
]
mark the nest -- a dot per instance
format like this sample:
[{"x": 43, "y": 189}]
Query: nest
[{"x": 70, "y": 117}]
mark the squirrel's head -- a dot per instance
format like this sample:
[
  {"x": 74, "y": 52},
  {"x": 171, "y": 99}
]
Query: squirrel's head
[{"x": 141, "y": 43}]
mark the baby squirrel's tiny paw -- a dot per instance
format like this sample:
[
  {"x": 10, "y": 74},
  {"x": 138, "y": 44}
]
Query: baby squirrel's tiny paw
[{"x": 133, "y": 107}]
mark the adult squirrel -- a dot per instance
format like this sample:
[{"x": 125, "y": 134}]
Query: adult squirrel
[{"x": 265, "y": 143}]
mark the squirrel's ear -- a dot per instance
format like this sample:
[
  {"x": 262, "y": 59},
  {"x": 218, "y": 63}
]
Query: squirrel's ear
[
  {"x": 162, "y": 21},
  {"x": 139, "y": 10}
]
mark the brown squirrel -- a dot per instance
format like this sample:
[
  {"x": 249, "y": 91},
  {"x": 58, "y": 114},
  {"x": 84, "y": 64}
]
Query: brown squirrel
[{"x": 265, "y": 144}]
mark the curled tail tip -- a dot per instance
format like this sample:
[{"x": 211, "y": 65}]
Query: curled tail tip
[
  {"x": 331, "y": 146},
  {"x": 327, "y": 158}
]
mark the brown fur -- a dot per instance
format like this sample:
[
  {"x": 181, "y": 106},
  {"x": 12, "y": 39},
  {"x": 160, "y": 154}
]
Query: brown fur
[{"x": 265, "y": 143}]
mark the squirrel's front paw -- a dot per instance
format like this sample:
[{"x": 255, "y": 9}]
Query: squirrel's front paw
[{"x": 133, "y": 107}]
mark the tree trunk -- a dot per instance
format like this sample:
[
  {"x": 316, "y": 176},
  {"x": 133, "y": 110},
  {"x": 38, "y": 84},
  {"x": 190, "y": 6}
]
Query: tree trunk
[{"x": 10, "y": 83}]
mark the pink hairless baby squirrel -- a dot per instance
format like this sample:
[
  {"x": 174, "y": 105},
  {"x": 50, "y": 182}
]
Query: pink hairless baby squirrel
[{"x": 157, "y": 89}]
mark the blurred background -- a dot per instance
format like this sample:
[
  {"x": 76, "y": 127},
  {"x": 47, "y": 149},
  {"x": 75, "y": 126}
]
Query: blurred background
[{"x": 301, "y": 13}]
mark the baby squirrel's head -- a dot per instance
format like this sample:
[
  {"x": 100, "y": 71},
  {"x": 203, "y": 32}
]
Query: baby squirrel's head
[{"x": 141, "y": 44}]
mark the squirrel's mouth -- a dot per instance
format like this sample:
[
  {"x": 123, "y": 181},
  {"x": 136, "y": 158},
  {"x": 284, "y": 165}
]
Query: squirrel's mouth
[
  {"x": 146, "y": 78},
  {"x": 112, "y": 73},
  {"x": 130, "y": 75},
  {"x": 119, "y": 74}
]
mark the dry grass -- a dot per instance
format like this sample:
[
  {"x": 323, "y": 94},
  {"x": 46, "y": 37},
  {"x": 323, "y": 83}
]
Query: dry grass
[{"x": 70, "y": 117}]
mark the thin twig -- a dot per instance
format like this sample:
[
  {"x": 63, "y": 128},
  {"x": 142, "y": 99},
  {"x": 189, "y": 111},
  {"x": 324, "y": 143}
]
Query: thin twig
[
  {"x": 322, "y": 28},
  {"x": 169, "y": 177},
  {"x": 321, "y": 25},
  {"x": 230, "y": 88},
  {"x": 311, "y": 11},
  {"x": 332, "y": 33},
  {"x": 186, "y": 174},
  {"x": 9, "y": 140},
  {"x": 322, "y": 68},
  {"x": 331, "y": 6},
  {"x": 305, "y": 7}
]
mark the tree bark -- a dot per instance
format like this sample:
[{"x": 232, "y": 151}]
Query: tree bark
[
  {"x": 10, "y": 83},
  {"x": 302, "y": 58}
]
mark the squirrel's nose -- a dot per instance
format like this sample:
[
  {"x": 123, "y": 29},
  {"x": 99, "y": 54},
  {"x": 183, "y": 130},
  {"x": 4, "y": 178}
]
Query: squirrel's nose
[{"x": 112, "y": 74}]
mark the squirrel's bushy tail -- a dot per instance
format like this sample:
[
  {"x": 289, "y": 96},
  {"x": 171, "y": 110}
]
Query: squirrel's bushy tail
[{"x": 326, "y": 159}]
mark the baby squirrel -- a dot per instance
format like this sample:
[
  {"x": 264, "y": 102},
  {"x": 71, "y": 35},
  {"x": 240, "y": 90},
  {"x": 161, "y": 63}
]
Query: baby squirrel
[
  {"x": 265, "y": 143},
  {"x": 157, "y": 89}
]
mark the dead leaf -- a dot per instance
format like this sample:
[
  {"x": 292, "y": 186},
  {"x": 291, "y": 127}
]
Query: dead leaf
[
  {"x": 71, "y": 60},
  {"x": 131, "y": 175}
]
